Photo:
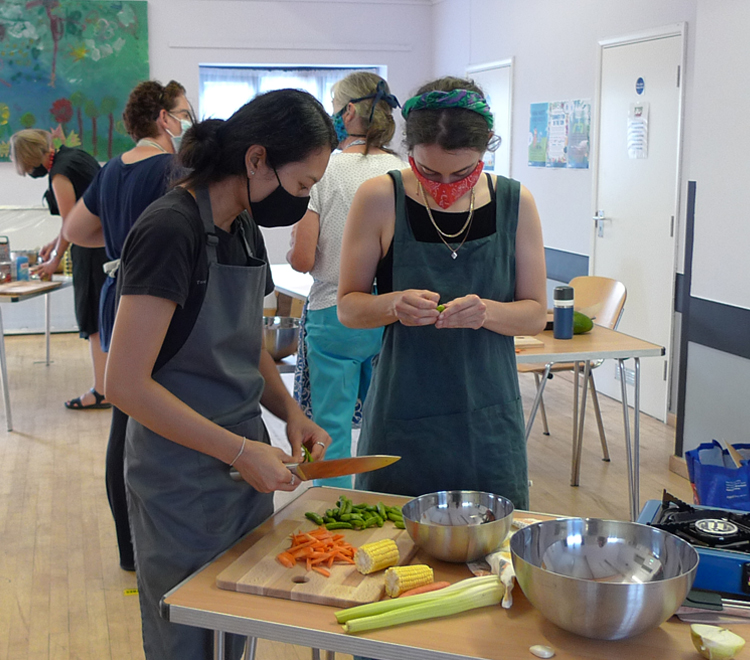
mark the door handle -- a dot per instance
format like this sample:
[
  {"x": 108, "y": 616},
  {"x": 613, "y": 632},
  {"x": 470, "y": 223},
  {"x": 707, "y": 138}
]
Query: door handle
[{"x": 599, "y": 219}]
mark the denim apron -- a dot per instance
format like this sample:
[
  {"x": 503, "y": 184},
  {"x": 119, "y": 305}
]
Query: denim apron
[
  {"x": 447, "y": 400},
  {"x": 184, "y": 507}
]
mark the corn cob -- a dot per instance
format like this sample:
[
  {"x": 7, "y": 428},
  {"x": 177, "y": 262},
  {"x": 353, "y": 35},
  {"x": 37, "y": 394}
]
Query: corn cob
[
  {"x": 403, "y": 578},
  {"x": 376, "y": 556}
]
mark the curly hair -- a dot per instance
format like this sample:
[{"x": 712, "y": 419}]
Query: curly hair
[{"x": 145, "y": 103}]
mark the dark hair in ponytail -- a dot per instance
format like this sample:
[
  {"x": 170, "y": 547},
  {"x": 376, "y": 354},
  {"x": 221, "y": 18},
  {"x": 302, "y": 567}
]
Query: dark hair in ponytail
[{"x": 289, "y": 123}]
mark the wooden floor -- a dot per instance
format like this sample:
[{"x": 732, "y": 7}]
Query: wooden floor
[{"x": 62, "y": 593}]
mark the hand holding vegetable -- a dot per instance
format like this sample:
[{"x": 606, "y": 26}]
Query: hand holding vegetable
[
  {"x": 467, "y": 312},
  {"x": 303, "y": 431},
  {"x": 415, "y": 307}
]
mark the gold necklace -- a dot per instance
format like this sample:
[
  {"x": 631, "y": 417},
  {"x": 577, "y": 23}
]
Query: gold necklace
[{"x": 441, "y": 233}]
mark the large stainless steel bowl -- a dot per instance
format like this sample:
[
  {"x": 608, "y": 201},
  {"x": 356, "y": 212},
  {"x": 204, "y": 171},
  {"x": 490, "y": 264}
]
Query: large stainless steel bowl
[
  {"x": 603, "y": 579},
  {"x": 280, "y": 335},
  {"x": 458, "y": 525}
]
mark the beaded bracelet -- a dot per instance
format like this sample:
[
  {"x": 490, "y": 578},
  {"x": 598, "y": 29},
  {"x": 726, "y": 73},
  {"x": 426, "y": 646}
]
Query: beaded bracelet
[{"x": 239, "y": 453}]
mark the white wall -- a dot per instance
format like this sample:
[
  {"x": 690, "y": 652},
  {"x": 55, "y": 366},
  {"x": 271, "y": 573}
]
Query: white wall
[
  {"x": 186, "y": 33},
  {"x": 720, "y": 144},
  {"x": 716, "y": 396},
  {"x": 555, "y": 48}
]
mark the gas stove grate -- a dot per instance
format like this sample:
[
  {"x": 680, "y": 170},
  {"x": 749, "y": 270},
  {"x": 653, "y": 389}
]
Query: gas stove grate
[{"x": 707, "y": 528}]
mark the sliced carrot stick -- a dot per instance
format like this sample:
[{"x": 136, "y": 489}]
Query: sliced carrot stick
[
  {"x": 322, "y": 571},
  {"x": 433, "y": 586},
  {"x": 286, "y": 559}
]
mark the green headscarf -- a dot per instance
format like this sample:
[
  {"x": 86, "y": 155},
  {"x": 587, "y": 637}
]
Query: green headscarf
[{"x": 457, "y": 98}]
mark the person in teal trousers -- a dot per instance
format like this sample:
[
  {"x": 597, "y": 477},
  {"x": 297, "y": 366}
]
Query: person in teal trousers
[
  {"x": 339, "y": 359},
  {"x": 459, "y": 262}
]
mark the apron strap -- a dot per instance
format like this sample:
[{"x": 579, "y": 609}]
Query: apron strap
[
  {"x": 207, "y": 217},
  {"x": 402, "y": 230}
]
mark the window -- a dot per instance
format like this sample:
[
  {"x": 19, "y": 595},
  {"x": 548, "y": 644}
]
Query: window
[{"x": 224, "y": 89}]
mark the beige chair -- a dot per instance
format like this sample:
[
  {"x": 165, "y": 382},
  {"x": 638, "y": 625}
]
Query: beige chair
[{"x": 602, "y": 299}]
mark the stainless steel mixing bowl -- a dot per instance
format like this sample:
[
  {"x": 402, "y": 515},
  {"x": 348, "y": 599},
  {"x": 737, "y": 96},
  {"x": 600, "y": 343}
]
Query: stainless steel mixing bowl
[
  {"x": 280, "y": 335},
  {"x": 458, "y": 525},
  {"x": 603, "y": 579}
]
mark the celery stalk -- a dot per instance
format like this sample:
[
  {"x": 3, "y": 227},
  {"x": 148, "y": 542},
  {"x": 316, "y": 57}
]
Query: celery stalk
[
  {"x": 462, "y": 601},
  {"x": 382, "y": 606}
]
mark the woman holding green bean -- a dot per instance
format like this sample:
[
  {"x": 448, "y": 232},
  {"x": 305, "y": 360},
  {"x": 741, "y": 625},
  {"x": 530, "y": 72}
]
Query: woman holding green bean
[{"x": 459, "y": 262}]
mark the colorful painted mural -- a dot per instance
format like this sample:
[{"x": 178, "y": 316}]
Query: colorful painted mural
[{"x": 68, "y": 67}]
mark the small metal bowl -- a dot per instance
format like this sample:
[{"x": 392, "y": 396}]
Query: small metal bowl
[
  {"x": 603, "y": 579},
  {"x": 280, "y": 335},
  {"x": 458, "y": 525}
]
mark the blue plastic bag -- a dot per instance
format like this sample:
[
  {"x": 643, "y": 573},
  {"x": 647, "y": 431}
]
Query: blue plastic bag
[{"x": 715, "y": 479}]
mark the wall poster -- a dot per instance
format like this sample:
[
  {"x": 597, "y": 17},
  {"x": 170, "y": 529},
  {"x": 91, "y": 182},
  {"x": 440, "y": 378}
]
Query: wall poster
[
  {"x": 559, "y": 134},
  {"x": 69, "y": 67}
]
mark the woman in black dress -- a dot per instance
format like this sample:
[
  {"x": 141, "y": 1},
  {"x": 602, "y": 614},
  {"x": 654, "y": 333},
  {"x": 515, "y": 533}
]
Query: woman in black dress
[{"x": 70, "y": 172}]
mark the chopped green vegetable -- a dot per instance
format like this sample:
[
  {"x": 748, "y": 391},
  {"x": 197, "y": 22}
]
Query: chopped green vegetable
[
  {"x": 339, "y": 525},
  {"x": 306, "y": 455},
  {"x": 460, "y": 597},
  {"x": 318, "y": 520},
  {"x": 441, "y": 308}
]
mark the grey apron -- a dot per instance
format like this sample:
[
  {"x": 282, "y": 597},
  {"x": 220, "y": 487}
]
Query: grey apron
[
  {"x": 447, "y": 400},
  {"x": 184, "y": 507}
]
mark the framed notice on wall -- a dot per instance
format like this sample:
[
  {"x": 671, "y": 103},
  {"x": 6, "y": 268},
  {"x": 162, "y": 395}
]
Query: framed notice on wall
[{"x": 559, "y": 134}]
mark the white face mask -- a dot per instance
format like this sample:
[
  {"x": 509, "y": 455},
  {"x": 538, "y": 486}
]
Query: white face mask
[{"x": 185, "y": 124}]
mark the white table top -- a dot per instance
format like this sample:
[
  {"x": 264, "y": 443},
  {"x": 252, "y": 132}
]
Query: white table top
[{"x": 289, "y": 281}]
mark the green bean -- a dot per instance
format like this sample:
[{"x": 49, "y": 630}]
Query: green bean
[
  {"x": 339, "y": 525},
  {"x": 381, "y": 510},
  {"x": 395, "y": 517},
  {"x": 399, "y": 525},
  {"x": 318, "y": 520}
]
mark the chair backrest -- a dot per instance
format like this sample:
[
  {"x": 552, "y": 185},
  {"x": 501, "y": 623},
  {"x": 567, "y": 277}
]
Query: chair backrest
[{"x": 600, "y": 298}]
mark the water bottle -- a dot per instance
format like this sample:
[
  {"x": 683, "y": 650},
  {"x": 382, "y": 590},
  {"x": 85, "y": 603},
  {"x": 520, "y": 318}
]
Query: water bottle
[
  {"x": 563, "y": 316},
  {"x": 22, "y": 268}
]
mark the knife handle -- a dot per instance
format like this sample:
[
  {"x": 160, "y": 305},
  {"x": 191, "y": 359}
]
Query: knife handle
[{"x": 236, "y": 476}]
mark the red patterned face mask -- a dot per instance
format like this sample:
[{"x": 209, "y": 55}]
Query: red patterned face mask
[{"x": 445, "y": 194}]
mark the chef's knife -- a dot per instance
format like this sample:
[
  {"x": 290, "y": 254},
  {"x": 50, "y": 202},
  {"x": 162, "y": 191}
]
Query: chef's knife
[{"x": 337, "y": 467}]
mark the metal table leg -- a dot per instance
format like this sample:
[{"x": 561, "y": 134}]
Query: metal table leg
[
  {"x": 537, "y": 400},
  {"x": 4, "y": 369},
  {"x": 251, "y": 644},
  {"x": 575, "y": 475},
  {"x": 219, "y": 639},
  {"x": 633, "y": 461},
  {"x": 46, "y": 328}
]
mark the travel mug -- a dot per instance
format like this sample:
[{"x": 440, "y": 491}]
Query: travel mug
[{"x": 563, "y": 316}]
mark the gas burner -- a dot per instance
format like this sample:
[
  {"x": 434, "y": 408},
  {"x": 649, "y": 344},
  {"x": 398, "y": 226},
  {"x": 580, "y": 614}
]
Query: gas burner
[
  {"x": 707, "y": 528},
  {"x": 717, "y": 527}
]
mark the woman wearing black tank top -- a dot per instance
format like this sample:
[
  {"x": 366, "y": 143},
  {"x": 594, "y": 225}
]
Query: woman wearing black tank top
[{"x": 459, "y": 263}]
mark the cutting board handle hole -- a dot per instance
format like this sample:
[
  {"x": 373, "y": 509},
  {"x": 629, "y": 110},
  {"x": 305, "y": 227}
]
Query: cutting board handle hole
[{"x": 300, "y": 579}]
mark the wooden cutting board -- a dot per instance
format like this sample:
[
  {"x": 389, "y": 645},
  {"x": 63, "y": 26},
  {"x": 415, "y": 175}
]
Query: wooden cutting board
[
  {"x": 524, "y": 341},
  {"x": 258, "y": 572},
  {"x": 27, "y": 286}
]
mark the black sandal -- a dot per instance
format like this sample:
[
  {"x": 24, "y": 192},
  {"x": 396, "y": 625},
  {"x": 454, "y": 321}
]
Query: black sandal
[{"x": 77, "y": 404}]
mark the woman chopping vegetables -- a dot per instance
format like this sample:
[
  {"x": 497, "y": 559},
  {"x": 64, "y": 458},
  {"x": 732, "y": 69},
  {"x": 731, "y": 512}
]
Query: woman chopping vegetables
[
  {"x": 459, "y": 262},
  {"x": 186, "y": 363}
]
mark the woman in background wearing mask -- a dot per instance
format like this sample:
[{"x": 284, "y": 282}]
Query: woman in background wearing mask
[
  {"x": 339, "y": 359},
  {"x": 445, "y": 393},
  {"x": 155, "y": 116},
  {"x": 186, "y": 361},
  {"x": 70, "y": 173}
]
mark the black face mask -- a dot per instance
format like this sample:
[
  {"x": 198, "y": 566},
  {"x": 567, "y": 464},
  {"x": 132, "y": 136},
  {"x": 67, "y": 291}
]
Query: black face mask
[
  {"x": 279, "y": 209},
  {"x": 38, "y": 172}
]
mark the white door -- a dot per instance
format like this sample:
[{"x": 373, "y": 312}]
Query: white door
[
  {"x": 637, "y": 179},
  {"x": 496, "y": 81}
]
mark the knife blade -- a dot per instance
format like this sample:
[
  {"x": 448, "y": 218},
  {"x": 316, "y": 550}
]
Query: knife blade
[{"x": 337, "y": 467}]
